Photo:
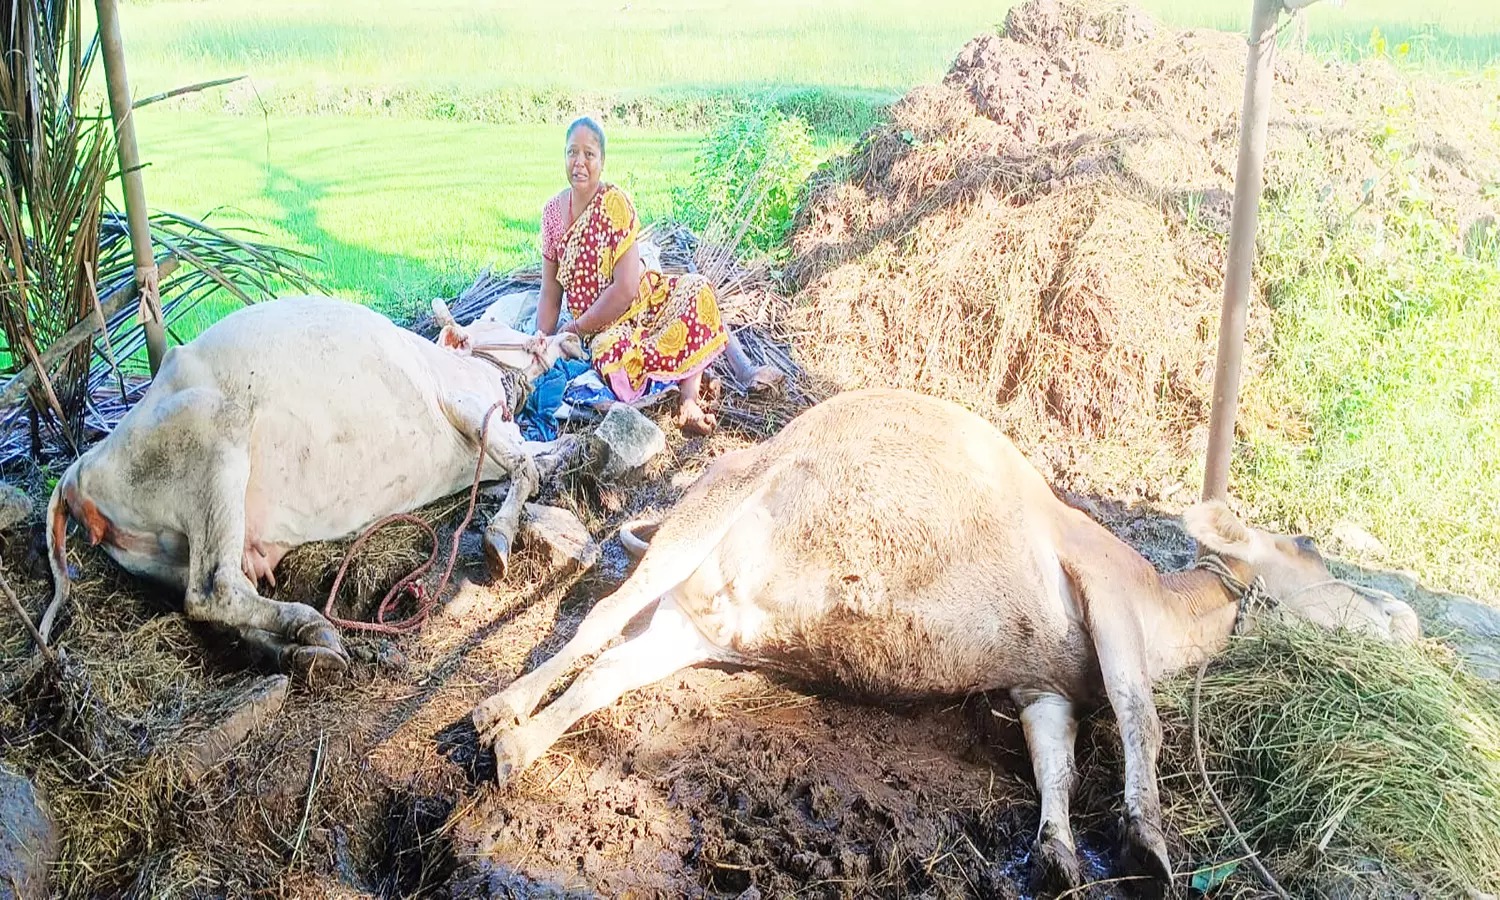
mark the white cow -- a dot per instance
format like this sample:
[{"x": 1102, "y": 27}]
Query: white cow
[
  {"x": 302, "y": 419},
  {"x": 898, "y": 546}
]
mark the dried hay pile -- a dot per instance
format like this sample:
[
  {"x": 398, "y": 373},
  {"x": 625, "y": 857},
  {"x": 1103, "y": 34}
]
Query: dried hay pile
[{"x": 1041, "y": 235}]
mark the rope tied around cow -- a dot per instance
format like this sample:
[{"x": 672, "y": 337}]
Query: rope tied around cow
[
  {"x": 1248, "y": 598},
  {"x": 426, "y": 600}
]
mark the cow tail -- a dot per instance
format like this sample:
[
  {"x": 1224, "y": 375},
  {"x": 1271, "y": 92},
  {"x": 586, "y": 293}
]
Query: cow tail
[{"x": 57, "y": 550}]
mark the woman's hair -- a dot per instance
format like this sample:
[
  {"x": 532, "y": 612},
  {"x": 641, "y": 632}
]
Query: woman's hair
[{"x": 591, "y": 125}]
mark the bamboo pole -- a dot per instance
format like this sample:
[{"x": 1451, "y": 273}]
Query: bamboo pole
[
  {"x": 1243, "y": 222},
  {"x": 147, "y": 277}
]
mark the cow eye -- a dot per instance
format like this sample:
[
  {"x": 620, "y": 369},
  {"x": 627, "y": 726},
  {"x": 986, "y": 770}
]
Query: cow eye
[{"x": 1306, "y": 544}]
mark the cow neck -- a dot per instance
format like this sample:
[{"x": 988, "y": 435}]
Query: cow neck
[
  {"x": 1200, "y": 612},
  {"x": 514, "y": 382}
]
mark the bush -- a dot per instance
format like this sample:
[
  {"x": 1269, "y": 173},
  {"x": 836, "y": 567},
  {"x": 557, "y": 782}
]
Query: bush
[
  {"x": 749, "y": 174},
  {"x": 1384, "y": 364}
]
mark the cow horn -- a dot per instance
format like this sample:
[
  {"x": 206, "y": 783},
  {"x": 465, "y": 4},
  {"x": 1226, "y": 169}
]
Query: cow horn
[{"x": 636, "y": 535}]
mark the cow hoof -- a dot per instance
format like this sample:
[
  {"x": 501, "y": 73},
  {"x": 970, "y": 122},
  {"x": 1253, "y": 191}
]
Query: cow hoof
[
  {"x": 314, "y": 662},
  {"x": 497, "y": 554},
  {"x": 1055, "y": 868},
  {"x": 493, "y": 714},
  {"x": 321, "y": 635},
  {"x": 1145, "y": 850},
  {"x": 511, "y": 758}
]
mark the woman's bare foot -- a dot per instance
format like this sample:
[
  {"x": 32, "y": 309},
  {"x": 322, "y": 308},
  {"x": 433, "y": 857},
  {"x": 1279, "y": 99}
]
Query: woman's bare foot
[{"x": 693, "y": 420}]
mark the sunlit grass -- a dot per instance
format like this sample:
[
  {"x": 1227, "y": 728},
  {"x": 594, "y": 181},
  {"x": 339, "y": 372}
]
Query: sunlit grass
[
  {"x": 399, "y": 211},
  {"x": 1385, "y": 365},
  {"x": 632, "y": 47}
]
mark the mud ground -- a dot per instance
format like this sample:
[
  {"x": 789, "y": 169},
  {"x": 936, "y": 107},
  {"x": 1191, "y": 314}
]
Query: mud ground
[{"x": 713, "y": 783}]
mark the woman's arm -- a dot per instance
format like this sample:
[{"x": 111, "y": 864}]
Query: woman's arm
[
  {"x": 549, "y": 307},
  {"x": 614, "y": 300}
]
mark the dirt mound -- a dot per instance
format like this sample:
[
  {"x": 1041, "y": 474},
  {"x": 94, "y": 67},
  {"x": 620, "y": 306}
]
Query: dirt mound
[{"x": 1041, "y": 235}]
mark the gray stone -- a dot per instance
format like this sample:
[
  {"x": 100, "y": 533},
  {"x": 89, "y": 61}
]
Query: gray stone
[
  {"x": 251, "y": 710},
  {"x": 15, "y": 506},
  {"x": 1473, "y": 618},
  {"x": 28, "y": 838},
  {"x": 1478, "y": 639},
  {"x": 1467, "y": 625},
  {"x": 629, "y": 439},
  {"x": 567, "y": 542}
]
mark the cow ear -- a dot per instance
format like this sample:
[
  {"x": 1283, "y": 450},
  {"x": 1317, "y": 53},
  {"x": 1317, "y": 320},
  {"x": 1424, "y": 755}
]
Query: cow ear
[
  {"x": 454, "y": 337},
  {"x": 1217, "y": 529}
]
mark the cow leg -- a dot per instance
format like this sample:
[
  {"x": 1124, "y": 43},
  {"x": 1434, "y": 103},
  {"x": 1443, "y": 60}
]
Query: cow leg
[
  {"x": 1140, "y": 734},
  {"x": 533, "y": 463},
  {"x": 604, "y": 623},
  {"x": 655, "y": 575},
  {"x": 671, "y": 642},
  {"x": 674, "y": 555},
  {"x": 552, "y": 458},
  {"x": 1106, "y": 584},
  {"x": 1051, "y": 732},
  {"x": 504, "y": 447},
  {"x": 219, "y": 592},
  {"x": 500, "y": 531}
]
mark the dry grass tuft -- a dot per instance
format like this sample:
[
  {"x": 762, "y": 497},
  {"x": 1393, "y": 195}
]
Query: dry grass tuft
[{"x": 1357, "y": 768}]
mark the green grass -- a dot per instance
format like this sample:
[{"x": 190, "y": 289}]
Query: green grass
[
  {"x": 399, "y": 211},
  {"x": 1385, "y": 365},
  {"x": 522, "y": 61}
]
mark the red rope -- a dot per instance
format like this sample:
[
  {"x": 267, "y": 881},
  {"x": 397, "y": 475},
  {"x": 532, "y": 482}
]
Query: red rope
[{"x": 425, "y": 600}]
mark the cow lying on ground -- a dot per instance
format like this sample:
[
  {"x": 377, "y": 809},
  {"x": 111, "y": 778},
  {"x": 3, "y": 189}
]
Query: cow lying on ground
[
  {"x": 301, "y": 419},
  {"x": 897, "y": 546}
]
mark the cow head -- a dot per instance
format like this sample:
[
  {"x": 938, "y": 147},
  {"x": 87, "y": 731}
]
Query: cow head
[
  {"x": 532, "y": 354},
  {"x": 1296, "y": 575}
]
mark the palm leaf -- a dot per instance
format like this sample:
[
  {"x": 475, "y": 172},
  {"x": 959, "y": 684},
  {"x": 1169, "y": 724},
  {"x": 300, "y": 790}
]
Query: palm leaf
[{"x": 62, "y": 244}]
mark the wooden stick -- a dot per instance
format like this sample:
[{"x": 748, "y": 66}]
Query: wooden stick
[
  {"x": 186, "y": 89},
  {"x": 1248, "y": 177},
  {"x": 15, "y": 603},
  {"x": 112, "y": 46}
]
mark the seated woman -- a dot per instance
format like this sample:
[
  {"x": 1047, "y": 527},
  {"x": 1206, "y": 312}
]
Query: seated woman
[{"x": 641, "y": 326}]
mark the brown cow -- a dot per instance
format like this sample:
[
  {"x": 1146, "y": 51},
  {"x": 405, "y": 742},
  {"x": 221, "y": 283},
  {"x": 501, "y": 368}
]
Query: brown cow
[{"x": 899, "y": 546}]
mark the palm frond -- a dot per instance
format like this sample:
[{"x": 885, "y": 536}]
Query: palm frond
[{"x": 62, "y": 244}]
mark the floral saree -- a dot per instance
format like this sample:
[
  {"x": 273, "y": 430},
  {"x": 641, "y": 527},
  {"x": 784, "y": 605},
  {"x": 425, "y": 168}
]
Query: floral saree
[{"x": 671, "y": 331}]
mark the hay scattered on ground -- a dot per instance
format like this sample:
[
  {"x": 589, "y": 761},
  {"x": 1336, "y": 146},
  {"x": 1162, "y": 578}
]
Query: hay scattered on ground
[
  {"x": 1041, "y": 236},
  {"x": 1356, "y": 768}
]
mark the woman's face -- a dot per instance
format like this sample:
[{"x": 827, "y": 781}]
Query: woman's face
[{"x": 583, "y": 160}]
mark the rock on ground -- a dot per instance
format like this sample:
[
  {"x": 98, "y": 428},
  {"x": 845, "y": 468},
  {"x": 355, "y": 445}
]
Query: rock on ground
[
  {"x": 15, "y": 505},
  {"x": 258, "y": 705},
  {"x": 567, "y": 542},
  {"x": 28, "y": 838},
  {"x": 629, "y": 440}
]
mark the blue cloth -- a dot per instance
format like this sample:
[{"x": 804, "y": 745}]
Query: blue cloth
[
  {"x": 538, "y": 418},
  {"x": 569, "y": 383}
]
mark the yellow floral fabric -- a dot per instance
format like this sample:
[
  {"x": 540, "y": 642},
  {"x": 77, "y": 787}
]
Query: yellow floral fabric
[{"x": 671, "y": 331}]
